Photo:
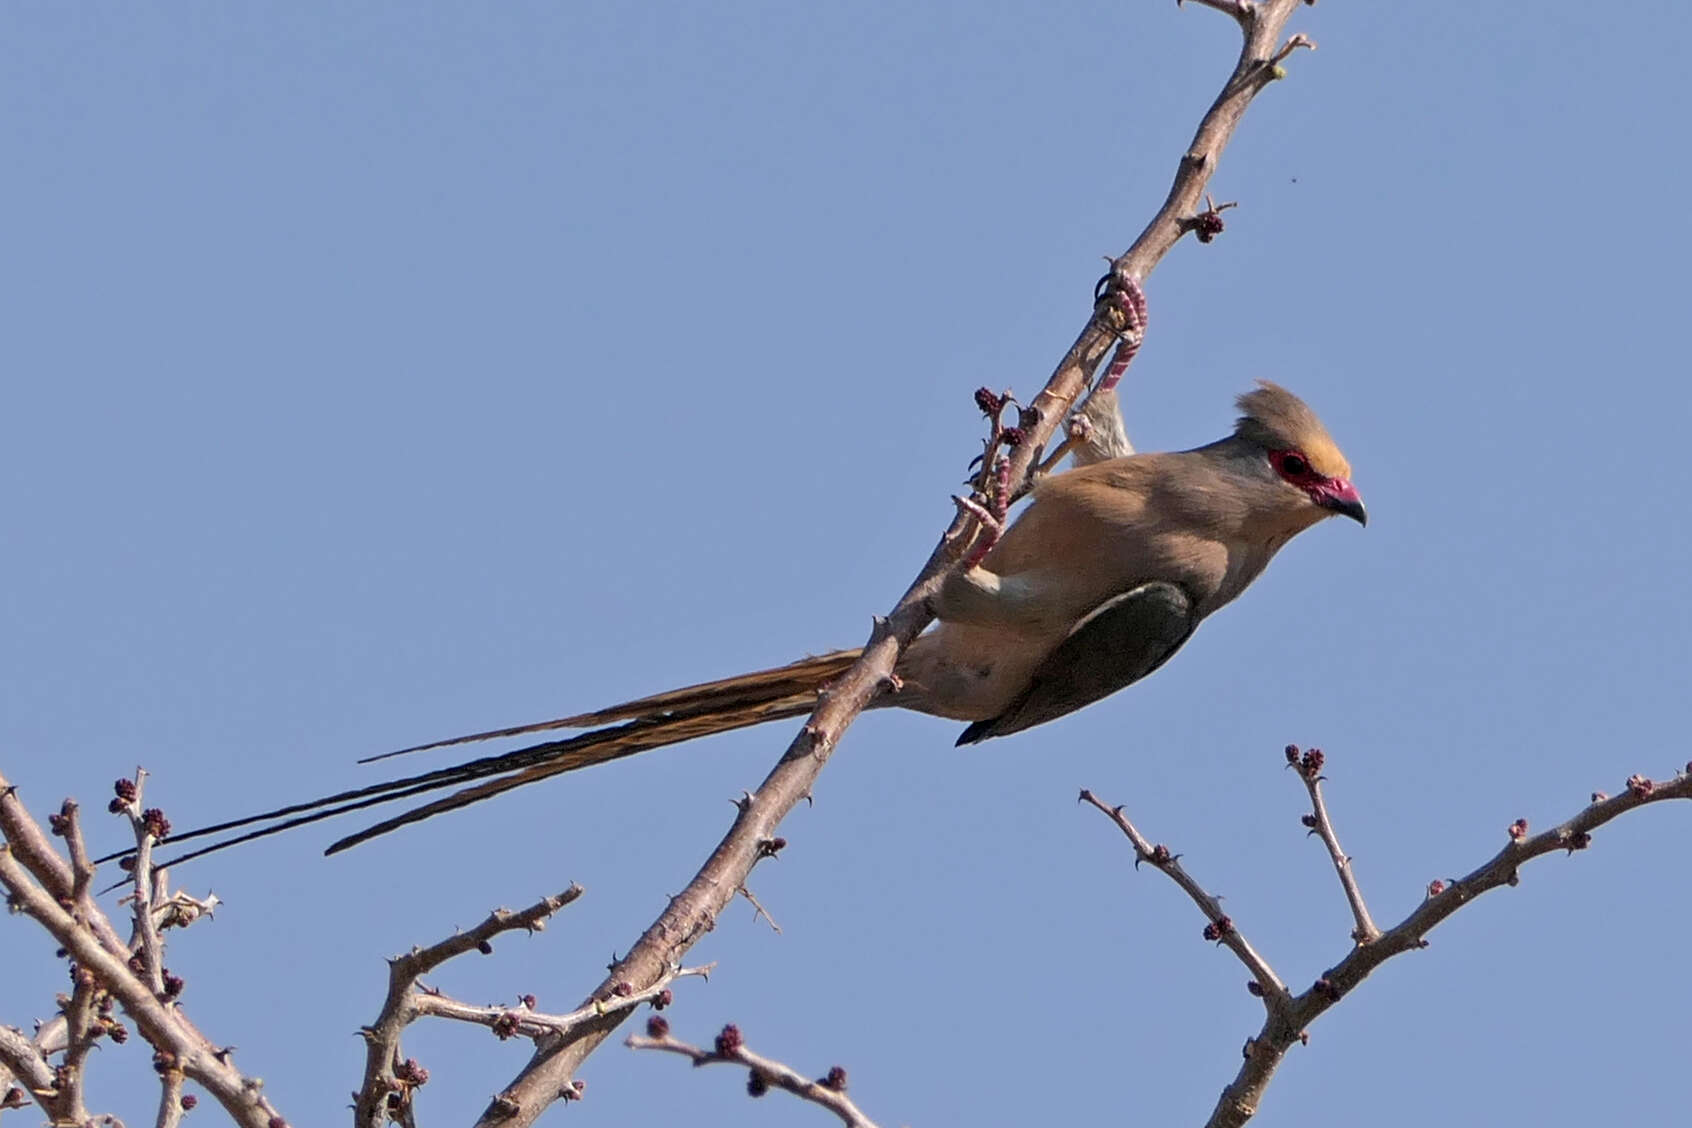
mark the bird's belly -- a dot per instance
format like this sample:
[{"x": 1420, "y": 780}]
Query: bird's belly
[{"x": 967, "y": 673}]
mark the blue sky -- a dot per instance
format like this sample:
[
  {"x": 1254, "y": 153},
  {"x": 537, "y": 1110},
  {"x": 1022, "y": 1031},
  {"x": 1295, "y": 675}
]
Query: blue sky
[{"x": 385, "y": 372}]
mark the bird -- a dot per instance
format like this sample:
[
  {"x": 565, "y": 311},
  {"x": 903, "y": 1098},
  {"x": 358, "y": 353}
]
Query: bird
[{"x": 1102, "y": 577}]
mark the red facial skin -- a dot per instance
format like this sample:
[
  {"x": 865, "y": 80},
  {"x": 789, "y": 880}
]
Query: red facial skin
[{"x": 1330, "y": 493}]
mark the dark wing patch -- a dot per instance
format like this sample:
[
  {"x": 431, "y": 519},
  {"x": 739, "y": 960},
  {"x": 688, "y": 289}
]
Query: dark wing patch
[{"x": 1118, "y": 643}]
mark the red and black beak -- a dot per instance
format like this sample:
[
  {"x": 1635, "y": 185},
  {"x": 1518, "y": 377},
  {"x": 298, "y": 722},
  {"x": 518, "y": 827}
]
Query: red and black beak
[{"x": 1342, "y": 497}]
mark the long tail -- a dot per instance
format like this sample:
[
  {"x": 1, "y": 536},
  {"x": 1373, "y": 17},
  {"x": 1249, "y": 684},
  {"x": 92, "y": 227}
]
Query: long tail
[{"x": 634, "y": 726}]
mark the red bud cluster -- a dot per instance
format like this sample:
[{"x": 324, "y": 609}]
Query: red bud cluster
[{"x": 728, "y": 1040}]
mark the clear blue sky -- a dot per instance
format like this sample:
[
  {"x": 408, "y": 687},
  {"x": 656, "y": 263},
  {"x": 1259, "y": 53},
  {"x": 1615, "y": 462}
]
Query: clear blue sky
[{"x": 387, "y": 371}]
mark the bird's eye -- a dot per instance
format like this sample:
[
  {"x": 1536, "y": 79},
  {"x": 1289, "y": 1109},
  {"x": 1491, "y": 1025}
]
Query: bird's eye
[{"x": 1294, "y": 466}]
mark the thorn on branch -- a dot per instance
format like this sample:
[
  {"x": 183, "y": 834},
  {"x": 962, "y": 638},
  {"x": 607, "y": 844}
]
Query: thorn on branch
[{"x": 1287, "y": 48}]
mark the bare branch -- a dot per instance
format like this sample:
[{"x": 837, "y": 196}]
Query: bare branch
[
  {"x": 30, "y": 846},
  {"x": 766, "y": 1073},
  {"x": 40, "y": 882},
  {"x": 1284, "y": 1026},
  {"x": 1221, "y": 929},
  {"x": 385, "y": 1073},
  {"x": 23, "y": 1061},
  {"x": 149, "y": 826},
  {"x": 1256, "y": 68},
  {"x": 170, "y": 1099},
  {"x": 163, "y": 1027},
  {"x": 693, "y": 911},
  {"x": 81, "y": 1031},
  {"x": 1309, "y": 767},
  {"x": 523, "y": 1021}
]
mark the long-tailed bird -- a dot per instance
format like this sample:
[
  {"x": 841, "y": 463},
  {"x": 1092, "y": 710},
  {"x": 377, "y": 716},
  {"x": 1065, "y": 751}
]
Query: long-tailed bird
[{"x": 1101, "y": 579}]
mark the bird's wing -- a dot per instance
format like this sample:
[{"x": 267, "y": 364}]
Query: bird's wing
[{"x": 1118, "y": 643}]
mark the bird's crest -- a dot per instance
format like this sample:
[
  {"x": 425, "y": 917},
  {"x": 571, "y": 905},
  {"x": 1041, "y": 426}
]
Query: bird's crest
[{"x": 1276, "y": 419}]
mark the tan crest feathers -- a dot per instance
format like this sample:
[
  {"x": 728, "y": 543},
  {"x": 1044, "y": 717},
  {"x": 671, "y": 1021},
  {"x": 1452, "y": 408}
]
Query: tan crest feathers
[{"x": 1278, "y": 420}]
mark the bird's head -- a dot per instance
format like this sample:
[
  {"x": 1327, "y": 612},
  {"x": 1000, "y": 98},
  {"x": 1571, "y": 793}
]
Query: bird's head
[{"x": 1298, "y": 452}]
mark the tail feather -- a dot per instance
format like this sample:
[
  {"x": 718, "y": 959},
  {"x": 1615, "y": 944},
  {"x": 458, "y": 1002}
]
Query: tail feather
[
  {"x": 647, "y": 723},
  {"x": 613, "y": 745},
  {"x": 706, "y": 697}
]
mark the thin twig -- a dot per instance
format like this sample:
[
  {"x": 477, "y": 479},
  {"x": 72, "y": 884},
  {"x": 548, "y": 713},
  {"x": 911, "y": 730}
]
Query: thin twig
[
  {"x": 766, "y": 1073},
  {"x": 526, "y": 1022},
  {"x": 758, "y": 910},
  {"x": 1222, "y": 928},
  {"x": 144, "y": 936},
  {"x": 1309, "y": 768},
  {"x": 82, "y": 870}
]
